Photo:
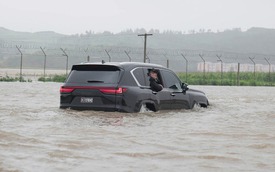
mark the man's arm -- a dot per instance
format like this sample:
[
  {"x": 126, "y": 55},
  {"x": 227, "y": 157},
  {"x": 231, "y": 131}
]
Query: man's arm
[{"x": 155, "y": 86}]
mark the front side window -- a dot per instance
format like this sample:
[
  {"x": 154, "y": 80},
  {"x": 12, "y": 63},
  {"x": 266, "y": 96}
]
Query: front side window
[{"x": 170, "y": 80}]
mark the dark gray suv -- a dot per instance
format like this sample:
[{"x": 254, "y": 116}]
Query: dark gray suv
[{"x": 125, "y": 87}]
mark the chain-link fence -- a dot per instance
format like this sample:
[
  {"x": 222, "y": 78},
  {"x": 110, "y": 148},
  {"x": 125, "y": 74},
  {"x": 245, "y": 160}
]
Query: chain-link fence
[{"x": 193, "y": 66}]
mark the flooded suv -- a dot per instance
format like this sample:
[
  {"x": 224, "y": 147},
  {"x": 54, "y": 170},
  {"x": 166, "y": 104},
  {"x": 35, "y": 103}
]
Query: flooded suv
[{"x": 125, "y": 87}]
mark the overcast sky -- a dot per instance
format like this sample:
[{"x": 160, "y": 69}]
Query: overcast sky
[{"x": 77, "y": 16}]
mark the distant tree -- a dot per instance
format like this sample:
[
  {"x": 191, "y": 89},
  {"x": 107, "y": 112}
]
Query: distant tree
[
  {"x": 151, "y": 31},
  {"x": 141, "y": 30},
  {"x": 201, "y": 31},
  {"x": 237, "y": 29},
  {"x": 88, "y": 33},
  {"x": 127, "y": 31},
  {"x": 107, "y": 33},
  {"x": 192, "y": 31},
  {"x": 156, "y": 31}
]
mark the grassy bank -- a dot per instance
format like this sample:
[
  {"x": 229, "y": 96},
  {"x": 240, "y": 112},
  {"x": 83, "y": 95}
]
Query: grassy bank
[
  {"x": 229, "y": 79},
  {"x": 196, "y": 78},
  {"x": 13, "y": 79},
  {"x": 54, "y": 78}
]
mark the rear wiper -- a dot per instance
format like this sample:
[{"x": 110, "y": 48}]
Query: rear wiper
[{"x": 95, "y": 81}]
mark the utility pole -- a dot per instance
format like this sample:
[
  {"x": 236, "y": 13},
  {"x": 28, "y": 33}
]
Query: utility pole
[
  {"x": 186, "y": 67},
  {"x": 21, "y": 62},
  {"x": 220, "y": 60},
  {"x": 145, "y": 44},
  {"x": 269, "y": 73},
  {"x": 67, "y": 60},
  {"x": 252, "y": 59},
  {"x": 201, "y": 56},
  {"x": 45, "y": 57},
  {"x": 127, "y": 53},
  {"x": 107, "y": 51}
]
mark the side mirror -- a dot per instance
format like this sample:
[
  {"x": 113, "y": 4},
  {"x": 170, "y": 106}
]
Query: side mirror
[{"x": 184, "y": 87}]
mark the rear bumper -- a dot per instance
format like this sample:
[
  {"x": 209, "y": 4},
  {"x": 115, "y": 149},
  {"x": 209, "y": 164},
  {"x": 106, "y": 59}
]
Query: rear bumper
[
  {"x": 105, "y": 109},
  {"x": 88, "y": 108}
]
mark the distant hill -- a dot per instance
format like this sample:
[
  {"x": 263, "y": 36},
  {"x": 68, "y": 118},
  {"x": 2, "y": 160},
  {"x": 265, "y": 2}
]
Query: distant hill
[{"x": 254, "y": 40}]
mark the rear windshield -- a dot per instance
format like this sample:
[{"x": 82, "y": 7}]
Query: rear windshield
[{"x": 94, "y": 74}]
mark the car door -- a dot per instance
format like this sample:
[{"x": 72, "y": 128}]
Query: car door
[
  {"x": 179, "y": 100},
  {"x": 163, "y": 97}
]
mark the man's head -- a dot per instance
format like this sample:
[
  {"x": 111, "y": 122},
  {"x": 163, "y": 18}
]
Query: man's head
[{"x": 153, "y": 73}]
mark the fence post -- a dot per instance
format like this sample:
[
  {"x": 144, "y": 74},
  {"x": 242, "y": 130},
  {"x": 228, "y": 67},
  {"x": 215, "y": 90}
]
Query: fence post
[
  {"x": 107, "y": 52},
  {"x": 269, "y": 73},
  {"x": 220, "y": 60},
  {"x": 88, "y": 57},
  {"x": 252, "y": 59},
  {"x": 148, "y": 58},
  {"x": 67, "y": 59},
  {"x": 167, "y": 60},
  {"x": 238, "y": 75},
  {"x": 45, "y": 57},
  {"x": 201, "y": 56},
  {"x": 127, "y": 53},
  {"x": 186, "y": 67},
  {"x": 21, "y": 62}
]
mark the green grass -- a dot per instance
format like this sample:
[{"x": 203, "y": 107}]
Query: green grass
[
  {"x": 195, "y": 78},
  {"x": 229, "y": 79},
  {"x": 55, "y": 78},
  {"x": 13, "y": 79}
]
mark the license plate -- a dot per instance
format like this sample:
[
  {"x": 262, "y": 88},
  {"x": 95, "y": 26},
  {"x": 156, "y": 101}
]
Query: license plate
[{"x": 86, "y": 100}]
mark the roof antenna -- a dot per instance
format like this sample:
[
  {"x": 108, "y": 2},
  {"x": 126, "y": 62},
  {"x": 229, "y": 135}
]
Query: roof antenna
[{"x": 102, "y": 61}]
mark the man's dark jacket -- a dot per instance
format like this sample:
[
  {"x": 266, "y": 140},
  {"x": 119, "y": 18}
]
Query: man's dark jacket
[{"x": 155, "y": 84}]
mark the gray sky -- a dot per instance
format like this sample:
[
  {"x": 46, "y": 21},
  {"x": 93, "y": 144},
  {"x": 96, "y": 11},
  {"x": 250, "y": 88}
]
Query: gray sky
[{"x": 77, "y": 16}]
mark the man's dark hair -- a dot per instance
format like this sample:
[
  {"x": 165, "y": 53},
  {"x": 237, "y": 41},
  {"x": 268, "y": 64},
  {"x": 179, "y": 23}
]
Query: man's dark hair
[{"x": 154, "y": 70}]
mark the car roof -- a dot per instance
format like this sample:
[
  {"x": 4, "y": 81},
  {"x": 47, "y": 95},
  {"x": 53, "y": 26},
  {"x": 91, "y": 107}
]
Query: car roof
[{"x": 125, "y": 65}]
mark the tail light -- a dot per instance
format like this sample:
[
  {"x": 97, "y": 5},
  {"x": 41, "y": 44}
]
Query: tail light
[
  {"x": 113, "y": 90},
  {"x": 66, "y": 90},
  {"x": 105, "y": 90}
]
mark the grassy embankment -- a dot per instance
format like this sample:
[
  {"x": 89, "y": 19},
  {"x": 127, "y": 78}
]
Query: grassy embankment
[
  {"x": 228, "y": 78},
  {"x": 54, "y": 78},
  {"x": 13, "y": 79}
]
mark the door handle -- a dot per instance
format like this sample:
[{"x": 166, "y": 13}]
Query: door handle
[
  {"x": 172, "y": 94},
  {"x": 154, "y": 92}
]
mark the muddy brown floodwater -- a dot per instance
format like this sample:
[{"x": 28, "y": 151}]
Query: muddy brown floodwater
[{"x": 236, "y": 133}]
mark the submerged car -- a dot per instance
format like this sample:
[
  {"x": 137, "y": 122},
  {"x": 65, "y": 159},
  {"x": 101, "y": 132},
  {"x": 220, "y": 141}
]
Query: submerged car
[{"x": 125, "y": 87}]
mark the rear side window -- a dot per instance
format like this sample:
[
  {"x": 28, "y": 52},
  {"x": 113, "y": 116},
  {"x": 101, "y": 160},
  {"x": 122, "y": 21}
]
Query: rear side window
[
  {"x": 94, "y": 74},
  {"x": 139, "y": 76}
]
